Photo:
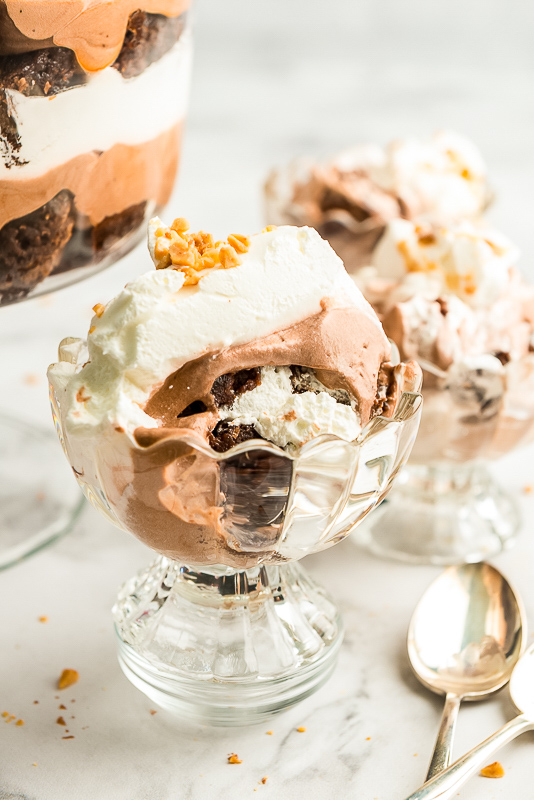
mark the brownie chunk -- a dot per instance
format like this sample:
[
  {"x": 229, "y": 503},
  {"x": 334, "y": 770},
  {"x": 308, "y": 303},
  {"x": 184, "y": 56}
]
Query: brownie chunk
[
  {"x": 226, "y": 435},
  {"x": 31, "y": 246},
  {"x": 148, "y": 38},
  {"x": 227, "y": 387},
  {"x": 114, "y": 228},
  {"x": 42, "y": 73}
]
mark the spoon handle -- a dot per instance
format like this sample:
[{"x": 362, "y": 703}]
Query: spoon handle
[
  {"x": 441, "y": 757},
  {"x": 447, "y": 782}
]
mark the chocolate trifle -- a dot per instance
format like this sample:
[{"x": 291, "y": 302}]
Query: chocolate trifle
[
  {"x": 261, "y": 340},
  {"x": 92, "y": 101},
  {"x": 350, "y": 198},
  {"x": 453, "y": 298}
]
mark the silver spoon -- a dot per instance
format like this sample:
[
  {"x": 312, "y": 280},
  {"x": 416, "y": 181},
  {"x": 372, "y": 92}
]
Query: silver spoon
[
  {"x": 465, "y": 638},
  {"x": 522, "y": 691}
]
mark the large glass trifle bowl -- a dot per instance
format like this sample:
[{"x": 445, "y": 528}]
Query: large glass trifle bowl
[{"x": 235, "y": 418}]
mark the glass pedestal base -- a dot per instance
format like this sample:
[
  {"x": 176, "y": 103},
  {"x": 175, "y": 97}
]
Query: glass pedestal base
[
  {"x": 226, "y": 647},
  {"x": 39, "y": 501},
  {"x": 442, "y": 514}
]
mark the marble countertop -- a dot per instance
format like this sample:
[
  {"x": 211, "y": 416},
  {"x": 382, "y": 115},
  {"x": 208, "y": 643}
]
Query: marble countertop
[{"x": 270, "y": 83}]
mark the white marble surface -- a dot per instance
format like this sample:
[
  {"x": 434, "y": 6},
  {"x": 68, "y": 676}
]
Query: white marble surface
[{"x": 271, "y": 81}]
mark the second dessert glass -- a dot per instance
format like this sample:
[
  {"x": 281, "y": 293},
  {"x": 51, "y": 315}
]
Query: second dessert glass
[
  {"x": 237, "y": 642},
  {"x": 447, "y": 508}
]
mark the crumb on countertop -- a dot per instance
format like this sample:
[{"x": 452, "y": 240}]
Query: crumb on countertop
[
  {"x": 67, "y": 678},
  {"x": 301, "y": 729},
  {"x": 494, "y": 770},
  {"x": 269, "y": 733},
  {"x": 233, "y": 758},
  {"x": 42, "y": 619}
]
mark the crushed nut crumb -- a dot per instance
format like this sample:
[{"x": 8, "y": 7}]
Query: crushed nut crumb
[
  {"x": 99, "y": 309},
  {"x": 60, "y": 721},
  {"x": 67, "y": 678},
  {"x": 233, "y": 758},
  {"x": 264, "y": 779},
  {"x": 67, "y": 737},
  {"x": 62, "y": 707},
  {"x": 494, "y": 770},
  {"x": 195, "y": 253}
]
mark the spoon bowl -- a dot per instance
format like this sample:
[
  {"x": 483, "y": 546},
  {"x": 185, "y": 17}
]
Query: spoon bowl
[{"x": 465, "y": 638}]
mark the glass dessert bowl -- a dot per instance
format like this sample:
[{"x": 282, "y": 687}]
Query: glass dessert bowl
[
  {"x": 92, "y": 102},
  {"x": 452, "y": 298},
  {"x": 197, "y": 433}
]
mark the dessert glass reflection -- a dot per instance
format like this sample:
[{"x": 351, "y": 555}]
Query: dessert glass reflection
[
  {"x": 92, "y": 101},
  {"x": 453, "y": 298},
  {"x": 235, "y": 409},
  {"x": 350, "y": 198}
]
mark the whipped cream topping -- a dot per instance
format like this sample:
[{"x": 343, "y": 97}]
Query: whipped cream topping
[
  {"x": 156, "y": 324},
  {"x": 445, "y": 176},
  {"x": 105, "y": 111},
  {"x": 288, "y": 419},
  {"x": 471, "y": 262}
]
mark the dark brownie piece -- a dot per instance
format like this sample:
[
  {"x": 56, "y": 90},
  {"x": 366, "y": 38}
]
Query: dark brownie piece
[
  {"x": 31, "y": 246},
  {"x": 41, "y": 73},
  {"x": 227, "y": 387},
  {"x": 226, "y": 435},
  {"x": 148, "y": 38},
  {"x": 117, "y": 226}
]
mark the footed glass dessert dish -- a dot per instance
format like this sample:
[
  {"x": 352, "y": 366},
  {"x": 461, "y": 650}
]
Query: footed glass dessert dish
[
  {"x": 446, "y": 507},
  {"x": 236, "y": 641}
]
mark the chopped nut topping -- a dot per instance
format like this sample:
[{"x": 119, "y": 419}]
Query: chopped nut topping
[
  {"x": 233, "y": 758},
  {"x": 195, "y": 253},
  {"x": 99, "y": 309},
  {"x": 264, "y": 780},
  {"x": 60, "y": 721},
  {"x": 494, "y": 770},
  {"x": 68, "y": 678},
  {"x": 92, "y": 328}
]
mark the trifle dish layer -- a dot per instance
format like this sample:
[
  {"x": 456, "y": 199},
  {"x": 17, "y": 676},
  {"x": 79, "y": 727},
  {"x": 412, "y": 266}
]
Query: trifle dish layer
[{"x": 92, "y": 100}]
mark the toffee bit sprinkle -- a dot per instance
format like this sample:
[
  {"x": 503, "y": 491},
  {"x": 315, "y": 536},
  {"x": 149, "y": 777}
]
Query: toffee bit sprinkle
[
  {"x": 60, "y": 721},
  {"x": 19, "y": 723},
  {"x": 43, "y": 619},
  {"x": 99, "y": 309},
  {"x": 233, "y": 758},
  {"x": 301, "y": 729},
  {"x": 67, "y": 737},
  {"x": 269, "y": 733},
  {"x": 494, "y": 770},
  {"x": 264, "y": 779},
  {"x": 195, "y": 253},
  {"x": 67, "y": 678},
  {"x": 153, "y": 711}
]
